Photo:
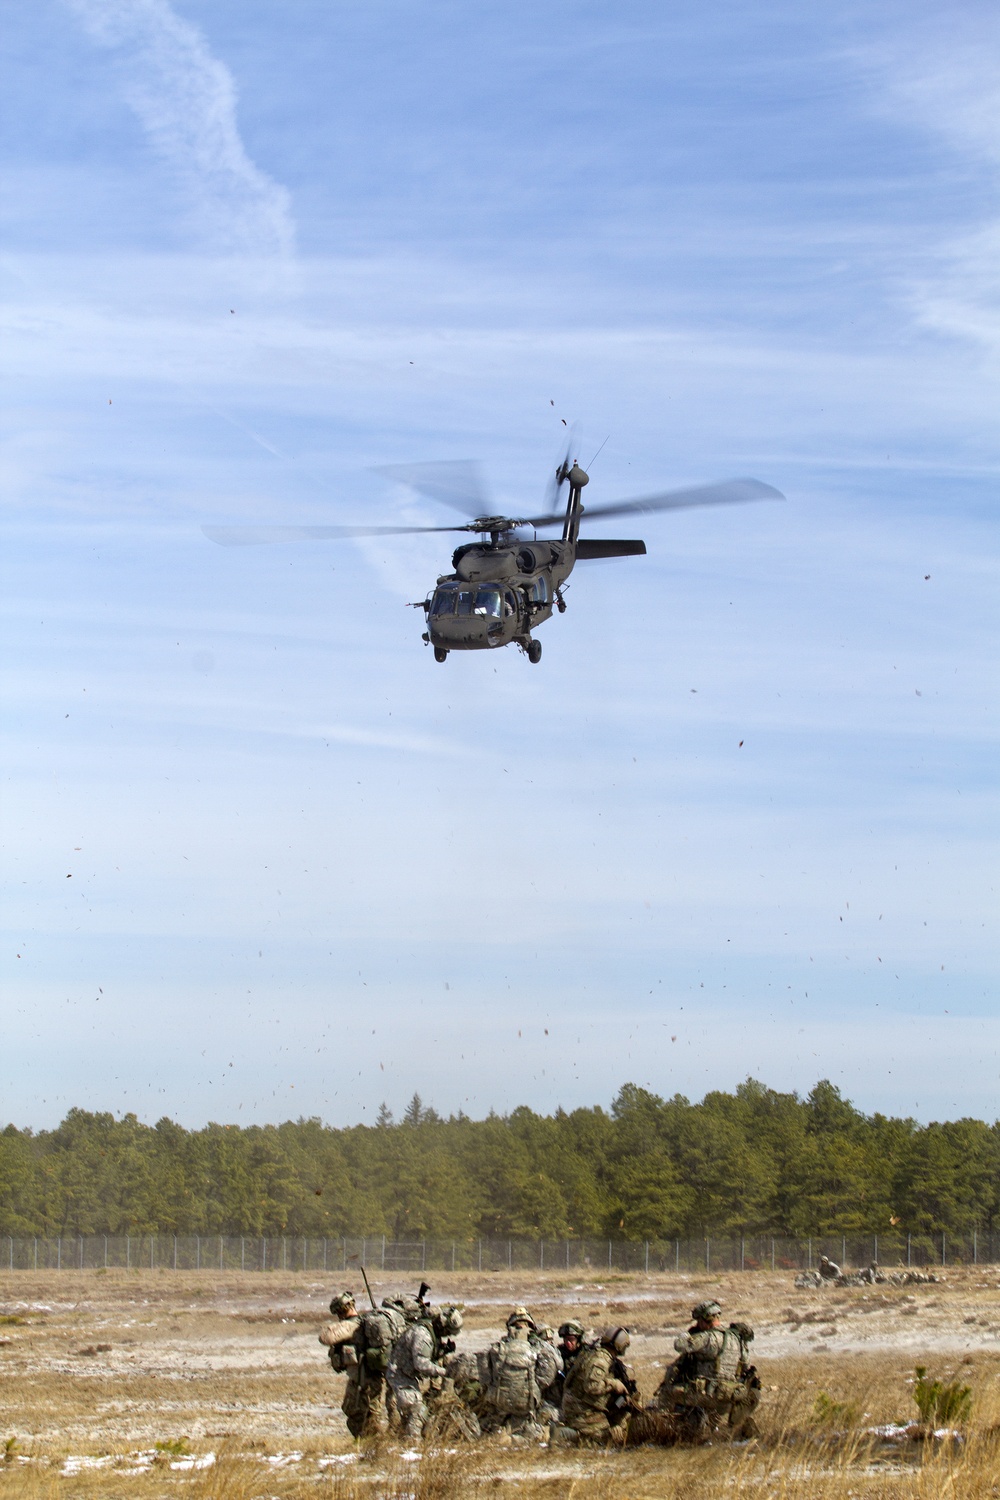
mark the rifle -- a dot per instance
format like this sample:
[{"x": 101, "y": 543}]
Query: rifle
[
  {"x": 422, "y": 1296},
  {"x": 619, "y": 1403},
  {"x": 368, "y": 1289}
]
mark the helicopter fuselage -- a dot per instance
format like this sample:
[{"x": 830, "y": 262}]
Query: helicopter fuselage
[{"x": 497, "y": 594}]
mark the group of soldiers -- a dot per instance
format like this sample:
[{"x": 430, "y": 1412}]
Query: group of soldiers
[
  {"x": 571, "y": 1385},
  {"x": 828, "y": 1273}
]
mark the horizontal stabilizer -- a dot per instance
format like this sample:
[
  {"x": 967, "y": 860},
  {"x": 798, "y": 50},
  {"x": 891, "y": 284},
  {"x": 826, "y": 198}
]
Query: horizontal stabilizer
[{"x": 590, "y": 547}]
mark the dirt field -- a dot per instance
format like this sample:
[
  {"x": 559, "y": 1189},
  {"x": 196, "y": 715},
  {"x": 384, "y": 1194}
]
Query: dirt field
[{"x": 225, "y": 1374}]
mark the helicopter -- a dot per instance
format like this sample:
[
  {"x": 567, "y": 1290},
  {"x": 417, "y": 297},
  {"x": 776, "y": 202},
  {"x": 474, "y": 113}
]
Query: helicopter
[{"x": 505, "y": 584}]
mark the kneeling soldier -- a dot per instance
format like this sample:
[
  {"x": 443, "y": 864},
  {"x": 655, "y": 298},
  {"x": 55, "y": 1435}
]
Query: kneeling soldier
[
  {"x": 711, "y": 1378},
  {"x": 416, "y": 1367},
  {"x": 598, "y": 1392}
]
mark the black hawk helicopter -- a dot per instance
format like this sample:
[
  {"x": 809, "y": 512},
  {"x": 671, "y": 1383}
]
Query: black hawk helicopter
[{"x": 506, "y": 584}]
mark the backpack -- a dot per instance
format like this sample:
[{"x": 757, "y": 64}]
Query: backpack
[
  {"x": 513, "y": 1390},
  {"x": 380, "y": 1328}
]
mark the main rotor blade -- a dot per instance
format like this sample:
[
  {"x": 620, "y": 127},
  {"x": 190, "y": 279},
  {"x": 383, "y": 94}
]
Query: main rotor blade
[
  {"x": 456, "y": 482},
  {"x": 729, "y": 492},
  {"x": 255, "y": 536}
]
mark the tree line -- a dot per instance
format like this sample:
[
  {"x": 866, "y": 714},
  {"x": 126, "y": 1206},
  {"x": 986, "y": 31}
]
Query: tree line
[{"x": 746, "y": 1162}]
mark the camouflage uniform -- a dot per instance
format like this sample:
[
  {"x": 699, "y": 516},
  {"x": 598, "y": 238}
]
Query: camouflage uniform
[
  {"x": 517, "y": 1367},
  {"x": 549, "y": 1373},
  {"x": 416, "y": 1368},
  {"x": 364, "y": 1392},
  {"x": 593, "y": 1383},
  {"x": 711, "y": 1378}
]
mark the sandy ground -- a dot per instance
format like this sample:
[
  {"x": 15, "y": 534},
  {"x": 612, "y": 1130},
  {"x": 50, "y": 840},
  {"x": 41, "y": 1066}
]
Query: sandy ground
[{"x": 98, "y": 1361}]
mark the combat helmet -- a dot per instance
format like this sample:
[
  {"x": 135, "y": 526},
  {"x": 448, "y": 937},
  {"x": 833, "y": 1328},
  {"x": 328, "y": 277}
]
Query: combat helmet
[
  {"x": 616, "y": 1339},
  {"x": 342, "y": 1305},
  {"x": 447, "y": 1320},
  {"x": 706, "y": 1311},
  {"x": 520, "y": 1315},
  {"x": 571, "y": 1330}
]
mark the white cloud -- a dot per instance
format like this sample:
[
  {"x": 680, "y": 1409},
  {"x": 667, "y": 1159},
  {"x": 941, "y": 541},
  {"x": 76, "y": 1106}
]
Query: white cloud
[
  {"x": 942, "y": 76},
  {"x": 186, "y": 101}
]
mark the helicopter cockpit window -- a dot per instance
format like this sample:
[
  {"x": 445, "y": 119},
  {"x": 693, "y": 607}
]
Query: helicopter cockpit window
[
  {"x": 488, "y": 603},
  {"x": 444, "y": 602}
]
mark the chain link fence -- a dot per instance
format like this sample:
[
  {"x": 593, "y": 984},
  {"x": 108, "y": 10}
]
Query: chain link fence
[{"x": 329, "y": 1256}]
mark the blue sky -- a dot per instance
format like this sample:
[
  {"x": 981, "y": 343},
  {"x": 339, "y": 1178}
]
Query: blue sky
[{"x": 263, "y": 856}]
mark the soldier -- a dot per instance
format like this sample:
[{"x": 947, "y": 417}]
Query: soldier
[
  {"x": 828, "y": 1269},
  {"x": 416, "y": 1367},
  {"x": 362, "y": 1405},
  {"x": 516, "y": 1368},
  {"x": 571, "y": 1336},
  {"x": 598, "y": 1392},
  {"x": 549, "y": 1371},
  {"x": 711, "y": 1377}
]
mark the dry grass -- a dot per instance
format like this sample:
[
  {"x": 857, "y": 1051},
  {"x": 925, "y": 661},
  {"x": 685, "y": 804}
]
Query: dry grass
[{"x": 229, "y": 1365}]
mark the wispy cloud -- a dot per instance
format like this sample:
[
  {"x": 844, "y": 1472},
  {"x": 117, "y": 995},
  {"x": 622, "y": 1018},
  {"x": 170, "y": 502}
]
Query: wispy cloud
[
  {"x": 186, "y": 101},
  {"x": 941, "y": 75}
]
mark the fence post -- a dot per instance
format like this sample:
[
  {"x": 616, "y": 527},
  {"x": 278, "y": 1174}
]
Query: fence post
[
  {"x": 677, "y": 1255},
  {"x": 975, "y": 1250},
  {"x": 59, "y": 1253},
  {"x": 541, "y": 1255},
  {"x": 263, "y": 1252},
  {"x": 36, "y": 1250},
  {"x": 152, "y": 1251},
  {"x": 324, "y": 1253},
  {"x": 567, "y": 1255},
  {"x": 743, "y": 1253},
  {"x": 128, "y": 1252},
  {"x": 423, "y": 1255},
  {"x": 843, "y": 1249},
  {"x": 875, "y": 1261},
  {"x": 944, "y": 1242},
  {"x": 647, "y": 1257},
  {"x": 772, "y": 1252},
  {"x": 809, "y": 1254},
  {"x": 11, "y": 1238},
  {"x": 708, "y": 1254},
  {"x": 609, "y": 1255},
  {"x": 908, "y": 1248},
  {"x": 383, "y": 1254},
  {"x": 509, "y": 1260},
  {"x": 480, "y": 1255},
  {"x": 243, "y": 1254},
  {"x": 105, "y": 1253},
  {"x": 453, "y": 1255}
]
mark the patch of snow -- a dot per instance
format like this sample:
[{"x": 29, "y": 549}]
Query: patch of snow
[{"x": 203, "y": 1461}]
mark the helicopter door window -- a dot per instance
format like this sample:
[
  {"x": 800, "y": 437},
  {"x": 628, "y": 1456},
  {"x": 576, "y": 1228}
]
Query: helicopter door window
[
  {"x": 488, "y": 602},
  {"x": 540, "y": 591},
  {"x": 465, "y": 601}
]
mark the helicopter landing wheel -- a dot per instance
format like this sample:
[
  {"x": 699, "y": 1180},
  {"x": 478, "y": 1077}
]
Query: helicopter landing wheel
[
  {"x": 534, "y": 652},
  {"x": 440, "y": 654}
]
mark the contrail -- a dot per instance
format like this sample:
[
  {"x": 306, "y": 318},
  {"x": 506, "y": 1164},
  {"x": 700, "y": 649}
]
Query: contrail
[{"x": 186, "y": 101}]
